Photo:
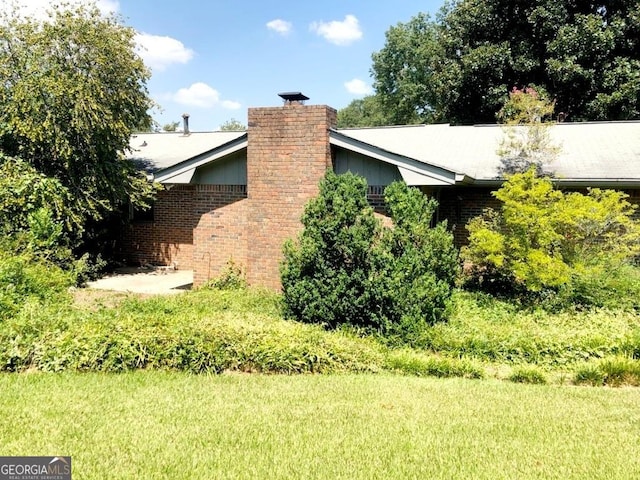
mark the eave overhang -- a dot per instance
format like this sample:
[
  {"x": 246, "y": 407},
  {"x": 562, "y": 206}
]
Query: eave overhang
[
  {"x": 182, "y": 172},
  {"x": 414, "y": 172}
]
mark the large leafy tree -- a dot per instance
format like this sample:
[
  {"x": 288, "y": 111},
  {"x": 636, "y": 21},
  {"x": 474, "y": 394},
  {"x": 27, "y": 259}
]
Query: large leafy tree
[
  {"x": 72, "y": 89},
  {"x": 461, "y": 66},
  {"x": 363, "y": 112}
]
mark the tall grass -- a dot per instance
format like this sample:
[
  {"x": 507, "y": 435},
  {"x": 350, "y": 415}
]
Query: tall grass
[
  {"x": 212, "y": 331},
  {"x": 497, "y": 331},
  {"x": 209, "y": 331}
]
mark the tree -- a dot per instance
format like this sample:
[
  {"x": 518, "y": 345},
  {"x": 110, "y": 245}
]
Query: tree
[
  {"x": 72, "y": 89},
  {"x": 170, "y": 127},
  {"x": 527, "y": 142},
  {"x": 403, "y": 72},
  {"x": 346, "y": 268},
  {"x": 362, "y": 112},
  {"x": 233, "y": 125},
  {"x": 459, "y": 68}
]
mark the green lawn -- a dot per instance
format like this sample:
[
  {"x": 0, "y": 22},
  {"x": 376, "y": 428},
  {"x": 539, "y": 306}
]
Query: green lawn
[{"x": 152, "y": 425}]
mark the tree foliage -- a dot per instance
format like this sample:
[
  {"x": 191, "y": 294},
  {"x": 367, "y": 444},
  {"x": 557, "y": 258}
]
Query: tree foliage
[
  {"x": 542, "y": 237},
  {"x": 363, "y": 112},
  {"x": 170, "y": 127},
  {"x": 72, "y": 89},
  {"x": 527, "y": 141},
  {"x": 346, "y": 268},
  {"x": 233, "y": 125},
  {"x": 460, "y": 67},
  {"x": 34, "y": 213}
]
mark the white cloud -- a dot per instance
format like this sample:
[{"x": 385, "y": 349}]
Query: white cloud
[
  {"x": 38, "y": 8},
  {"x": 202, "y": 95},
  {"x": 158, "y": 52},
  {"x": 280, "y": 26},
  {"x": 358, "y": 87},
  {"x": 339, "y": 33}
]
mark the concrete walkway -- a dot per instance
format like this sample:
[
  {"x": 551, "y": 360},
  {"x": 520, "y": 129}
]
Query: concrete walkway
[{"x": 146, "y": 280}]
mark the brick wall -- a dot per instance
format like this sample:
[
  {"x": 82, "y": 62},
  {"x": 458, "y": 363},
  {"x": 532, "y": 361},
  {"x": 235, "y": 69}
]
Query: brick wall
[
  {"x": 168, "y": 238},
  {"x": 288, "y": 153},
  {"x": 458, "y": 205},
  {"x": 198, "y": 227},
  {"x": 634, "y": 198},
  {"x": 221, "y": 232}
]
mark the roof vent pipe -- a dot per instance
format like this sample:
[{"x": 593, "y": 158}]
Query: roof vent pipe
[{"x": 185, "y": 124}]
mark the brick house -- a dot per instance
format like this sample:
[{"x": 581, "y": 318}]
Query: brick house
[{"x": 239, "y": 195}]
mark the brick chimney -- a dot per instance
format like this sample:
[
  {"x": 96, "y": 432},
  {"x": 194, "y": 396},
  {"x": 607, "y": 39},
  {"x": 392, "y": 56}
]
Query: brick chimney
[{"x": 288, "y": 153}]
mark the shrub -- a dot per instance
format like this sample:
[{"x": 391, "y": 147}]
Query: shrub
[
  {"x": 495, "y": 330},
  {"x": 542, "y": 240},
  {"x": 419, "y": 264},
  {"x": 528, "y": 374},
  {"x": 615, "y": 372},
  {"x": 328, "y": 277},
  {"x": 232, "y": 278},
  {"x": 23, "y": 279},
  {"x": 346, "y": 268}
]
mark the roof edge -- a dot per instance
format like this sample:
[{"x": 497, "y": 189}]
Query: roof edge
[{"x": 220, "y": 151}]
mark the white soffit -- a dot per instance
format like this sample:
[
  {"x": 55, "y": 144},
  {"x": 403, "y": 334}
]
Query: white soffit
[
  {"x": 415, "y": 179},
  {"x": 184, "y": 177}
]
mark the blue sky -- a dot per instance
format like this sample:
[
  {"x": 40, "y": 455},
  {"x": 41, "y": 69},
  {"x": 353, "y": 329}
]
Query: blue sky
[{"x": 215, "y": 58}]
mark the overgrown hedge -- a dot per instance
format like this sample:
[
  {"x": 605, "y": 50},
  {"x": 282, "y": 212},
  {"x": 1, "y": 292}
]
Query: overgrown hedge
[{"x": 200, "y": 332}]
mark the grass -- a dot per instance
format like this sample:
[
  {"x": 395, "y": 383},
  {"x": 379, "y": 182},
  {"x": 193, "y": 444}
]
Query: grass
[
  {"x": 212, "y": 331},
  {"x": 208, "y": 331},
  {"x": 500, "y": 332},
  {"x": 158, "y": 425}
]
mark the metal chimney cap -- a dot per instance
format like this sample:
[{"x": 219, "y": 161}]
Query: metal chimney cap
[{"x": 289, "y": 97}]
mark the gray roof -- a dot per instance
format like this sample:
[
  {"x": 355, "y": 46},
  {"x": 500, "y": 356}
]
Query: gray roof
[
  {"x": 593, "y": 153},
  {"x": 153, "y": 152},
  {"x": 607, "y": 152}
]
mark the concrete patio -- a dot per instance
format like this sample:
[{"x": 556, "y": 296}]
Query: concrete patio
[{"x": 158, "y": 280}]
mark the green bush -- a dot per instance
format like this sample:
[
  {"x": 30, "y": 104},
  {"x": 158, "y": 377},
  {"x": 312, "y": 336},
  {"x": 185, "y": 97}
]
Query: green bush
[
  {"x": 346, "y": 268},
  {"x": 328, "y": 277},
  {"x": 232, "y": 278},
  {"x": 24, "y": 279},
  {"x": 419, "y": 264},
  {"x": 205, "y": 331},
  {"x": 495, "y": 330},
  {"x": 543, "y": 242}
]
